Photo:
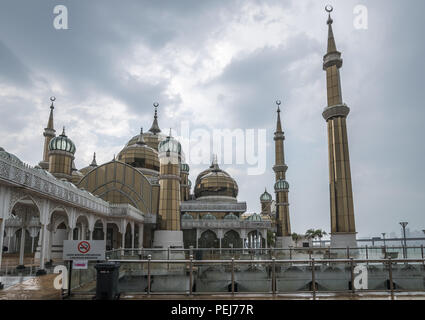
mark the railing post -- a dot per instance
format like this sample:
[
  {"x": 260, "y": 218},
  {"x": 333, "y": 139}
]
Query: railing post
[
  {"x": 422, "y": 253},
  {"x": 191, "y": 274},
  {"x": 367, "y": 255},
  {"x": 390, "y": 271},
  {"x": 290, "y": 253},
  {"x": 233, "y": 276},
  {"x": 149, "y": 274},
  {"x": 348, "y": 252},
  {"x": 352, "y": 275},
  {"x": 313, "y": 279},
  {"x": 168, "y": 258},
  {"x": 274, "y": 275}
]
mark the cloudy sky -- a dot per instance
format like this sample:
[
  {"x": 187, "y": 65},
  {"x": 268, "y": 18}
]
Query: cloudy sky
[{"x": 221, "y": 65}]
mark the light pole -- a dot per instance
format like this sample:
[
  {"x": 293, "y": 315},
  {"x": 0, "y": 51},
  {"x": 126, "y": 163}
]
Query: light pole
[
  {"x": 404, "y": 224},
  {"x": 383, "y": 237}
]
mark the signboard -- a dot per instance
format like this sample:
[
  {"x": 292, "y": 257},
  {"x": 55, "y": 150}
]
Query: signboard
[
  {"x": 84, "y": 249},
  {"x": 80, "y": 264}
]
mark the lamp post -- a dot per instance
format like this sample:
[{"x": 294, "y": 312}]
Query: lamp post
[{"x": 404, "y": 224}]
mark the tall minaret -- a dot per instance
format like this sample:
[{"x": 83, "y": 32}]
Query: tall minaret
[
  {"x": 49, "y": 134},
  {"x": 169, "y": 233},
  {"x": 343, "y": 229},
  {"x": 281, "y": 187}
]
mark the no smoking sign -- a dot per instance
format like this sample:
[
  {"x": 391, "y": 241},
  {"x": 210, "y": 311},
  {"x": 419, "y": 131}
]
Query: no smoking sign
[{"x": 83, "y": 247}]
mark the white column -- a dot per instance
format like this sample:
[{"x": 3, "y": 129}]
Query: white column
[
  {"x": 132, "y": 238},
  {"x": 4, "y": 214},
  {"x": 91, "y": 234},
  {"x": 70, "y": 234},
  {"x": 140, "y": 236},
  {"x": 50, "y": 243},
  {"x": 105, "y": 229},
  {"x": 197, "y": 236},
  {"x": 22, "y": 247},
  {"x": 123, "y": 242},
  {"x": 2, "y": 224},
  {"x": 43, "y": 245},
  {"x": 83, "y": 232}
]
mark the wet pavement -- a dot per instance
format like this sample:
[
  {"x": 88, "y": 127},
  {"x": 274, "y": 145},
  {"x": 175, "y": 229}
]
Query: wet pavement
[{"x": 30, "y": 288}]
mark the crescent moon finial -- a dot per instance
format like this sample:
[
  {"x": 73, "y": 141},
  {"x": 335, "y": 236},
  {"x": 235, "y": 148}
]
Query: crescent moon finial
[{"x": 329, "y": 8}]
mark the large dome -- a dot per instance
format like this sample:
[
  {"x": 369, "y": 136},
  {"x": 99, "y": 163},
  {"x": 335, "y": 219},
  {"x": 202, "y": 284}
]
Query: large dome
[
  {"x": 140, "y": 155},
  {"x": 62, "y": 143},
  {"x": 215, "y": 182}
]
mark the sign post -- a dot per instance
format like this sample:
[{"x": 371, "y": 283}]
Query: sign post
[{"x": 79, "y": 252}]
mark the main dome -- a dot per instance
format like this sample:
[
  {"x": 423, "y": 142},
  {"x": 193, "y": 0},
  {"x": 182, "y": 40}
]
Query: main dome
[
  {"x": 140, "y": 155},
  {"x": 215, "y": 182}
]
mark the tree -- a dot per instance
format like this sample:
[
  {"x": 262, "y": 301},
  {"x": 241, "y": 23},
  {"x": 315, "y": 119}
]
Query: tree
[{"x": 295, "y": 237}]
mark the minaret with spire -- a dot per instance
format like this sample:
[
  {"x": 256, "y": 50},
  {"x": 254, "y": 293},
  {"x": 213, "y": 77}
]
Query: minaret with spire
[
  {"x": 343, "y": 229},
  {"x": 49, "y": 133},
  {"x": 283, "y": 226},
  {"x": 155, "y": 128}
]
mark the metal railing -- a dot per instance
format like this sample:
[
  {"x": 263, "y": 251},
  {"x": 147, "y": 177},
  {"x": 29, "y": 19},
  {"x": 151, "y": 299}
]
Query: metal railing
[
  {"x": 272, "y": 263},
  {"x": 366, "y": 252}
]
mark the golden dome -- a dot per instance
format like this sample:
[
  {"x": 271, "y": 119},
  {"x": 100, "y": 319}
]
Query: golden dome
[
  {"x": 215, "y": 182},
  {"x": 139, "y": 154}
]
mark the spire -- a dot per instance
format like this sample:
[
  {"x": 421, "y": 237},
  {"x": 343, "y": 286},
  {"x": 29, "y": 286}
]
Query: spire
[
  {"x": 278, "y": 124},
  {"x": 214, "y": 163},
  {"x": 50, "y": 122},
  {"x": 155, "y": 128},
  {"x": 93, "y": 163},
  {"x": 140, "y": 140},
  {"x": 63, "y": 132},
  {"x": 331, "y": 39}
]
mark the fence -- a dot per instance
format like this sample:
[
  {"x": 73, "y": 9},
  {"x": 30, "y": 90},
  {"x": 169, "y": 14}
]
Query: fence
[{"x": 271, "y": 276}]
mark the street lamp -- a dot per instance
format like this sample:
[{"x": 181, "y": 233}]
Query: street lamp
[{"x": 404, "y": 224}]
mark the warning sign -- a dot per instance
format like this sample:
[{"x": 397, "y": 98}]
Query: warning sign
[{"x": 84, "y": 249}]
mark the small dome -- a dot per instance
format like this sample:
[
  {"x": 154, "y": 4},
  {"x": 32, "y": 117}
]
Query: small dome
[
  {"x": 9, "y": 156},
  {"x": 187, "y": 216},
  {"x": 62, "y": 143},
  {"x": 281, "y": 185},
  {"x": 209, "y": 216},
  {"x": 184, "y": 167},
  {"x": 231, "y": 216},
  {"x": 170, "y": 144},
  {"x": 254, "y": 217},
  {"x": 266, "y": 196}
]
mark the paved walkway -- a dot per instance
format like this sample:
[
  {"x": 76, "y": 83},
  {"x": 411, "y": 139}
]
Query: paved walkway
[{"x": 35, "y": 288}]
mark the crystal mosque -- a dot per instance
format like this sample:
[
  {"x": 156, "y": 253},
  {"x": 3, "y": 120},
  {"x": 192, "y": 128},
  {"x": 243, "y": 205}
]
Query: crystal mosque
[{"x": 143, "y": 197}]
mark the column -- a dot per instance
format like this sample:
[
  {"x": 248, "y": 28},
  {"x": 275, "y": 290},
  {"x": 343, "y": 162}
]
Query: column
[
  {"x": 197, "y": 236},
  {"x": 141, "y": 236},
  {"x": 105, "y": 230},
  {"x": 91, "y": 234},
  {"x": 43, "y": 245},
  {"x": 2, "y": 224},
  {"x": 123, "y": 243},
  {"x": 83, "y": 232},
  {"x": 70, "y": 234},
  {"x": 22, "y": 246},
  {"x": 50, "y": 244},
  {"x": 132, "y": 238}
]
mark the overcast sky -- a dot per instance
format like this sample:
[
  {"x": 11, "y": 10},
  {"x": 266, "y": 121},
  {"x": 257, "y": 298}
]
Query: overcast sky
[{"x": 222, "y": 64}]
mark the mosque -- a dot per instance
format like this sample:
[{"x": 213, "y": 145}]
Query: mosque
[{"x": 143, "y": 197}]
